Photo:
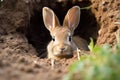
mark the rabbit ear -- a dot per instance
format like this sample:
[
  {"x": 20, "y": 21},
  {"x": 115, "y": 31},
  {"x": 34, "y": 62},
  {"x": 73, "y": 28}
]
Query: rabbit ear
[
  {"x": 72, "y": 18},
  {"x": 50, "y": 19}
]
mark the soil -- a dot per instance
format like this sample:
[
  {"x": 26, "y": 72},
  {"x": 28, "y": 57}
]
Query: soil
[{"x": 23, "y": 37}]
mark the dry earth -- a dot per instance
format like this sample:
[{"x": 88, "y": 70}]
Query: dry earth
[{"x": 23, "y": 37}]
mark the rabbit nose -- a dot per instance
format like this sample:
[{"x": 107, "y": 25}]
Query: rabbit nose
[{"x": 63, "y": 49}]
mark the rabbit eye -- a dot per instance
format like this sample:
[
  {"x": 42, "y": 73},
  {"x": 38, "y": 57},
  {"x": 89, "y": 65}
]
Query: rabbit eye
[
  {"x": 70, "y": 38},
  {"x": 53, "y": 38}
]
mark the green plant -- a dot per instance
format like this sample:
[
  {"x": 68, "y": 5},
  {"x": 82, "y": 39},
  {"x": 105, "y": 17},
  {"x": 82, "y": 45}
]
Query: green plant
[{"x": 104, "y": 64}]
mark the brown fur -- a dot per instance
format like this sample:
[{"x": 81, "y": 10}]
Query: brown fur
[{"x": 62, "y": 47}]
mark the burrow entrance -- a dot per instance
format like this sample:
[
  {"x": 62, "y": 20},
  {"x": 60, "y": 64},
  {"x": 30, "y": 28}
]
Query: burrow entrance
[{"x": 39, "y": 36}]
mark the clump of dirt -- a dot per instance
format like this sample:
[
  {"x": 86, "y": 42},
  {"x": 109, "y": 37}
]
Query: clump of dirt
[{"x": 23, "y": 36}]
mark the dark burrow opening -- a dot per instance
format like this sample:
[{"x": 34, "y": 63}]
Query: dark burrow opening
[{"x": 39, "y": 36}]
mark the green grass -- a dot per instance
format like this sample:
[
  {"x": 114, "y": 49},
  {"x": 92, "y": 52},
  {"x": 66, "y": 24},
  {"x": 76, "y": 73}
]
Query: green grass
[{"x": 102, "y": 64}]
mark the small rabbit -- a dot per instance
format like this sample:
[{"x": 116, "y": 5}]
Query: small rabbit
[{"x": 63, "y": 43}]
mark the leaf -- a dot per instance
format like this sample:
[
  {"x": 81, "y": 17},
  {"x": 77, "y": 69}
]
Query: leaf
[
  {"x": 67, "y": 77},
  {"x": 76, "y": 66},
  {"x": 91, "y": 45}
]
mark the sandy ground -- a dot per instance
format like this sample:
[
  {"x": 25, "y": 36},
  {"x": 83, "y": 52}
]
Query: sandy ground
[
  {"x": 19, "y": 59},
  {"x": 19, "y": 62}
]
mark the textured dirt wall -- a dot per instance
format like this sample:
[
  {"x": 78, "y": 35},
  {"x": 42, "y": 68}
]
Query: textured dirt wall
[{"x": 107, "y": 13}]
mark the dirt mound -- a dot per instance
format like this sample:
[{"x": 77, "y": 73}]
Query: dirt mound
[{"x": 23, "y": 36}]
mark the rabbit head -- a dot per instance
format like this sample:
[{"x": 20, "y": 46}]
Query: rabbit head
[{"x": 62, "y": 43}]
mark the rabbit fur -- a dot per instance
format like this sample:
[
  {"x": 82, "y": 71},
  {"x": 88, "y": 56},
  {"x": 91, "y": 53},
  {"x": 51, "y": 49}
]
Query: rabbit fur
[{"x": 63, "y": 43}]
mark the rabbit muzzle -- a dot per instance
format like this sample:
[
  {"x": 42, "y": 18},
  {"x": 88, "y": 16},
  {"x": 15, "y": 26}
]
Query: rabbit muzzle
[{"x": 62, "y": 50}]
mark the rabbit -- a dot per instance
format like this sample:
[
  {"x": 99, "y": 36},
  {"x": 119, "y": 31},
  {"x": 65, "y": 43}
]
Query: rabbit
[{"x": 63, "y": 43}]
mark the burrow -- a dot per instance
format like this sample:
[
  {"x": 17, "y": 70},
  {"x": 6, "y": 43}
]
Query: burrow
[{"x": 39, "y": 36}]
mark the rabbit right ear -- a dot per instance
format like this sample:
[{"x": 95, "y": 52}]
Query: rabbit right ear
[
  {"x": 50, "y": 19},
  {"x": 72, "y": 18}
]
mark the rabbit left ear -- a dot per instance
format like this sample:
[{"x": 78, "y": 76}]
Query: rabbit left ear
[
  {"x": 72, "y": 18},
  {"x": 50, "y": 19}
]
